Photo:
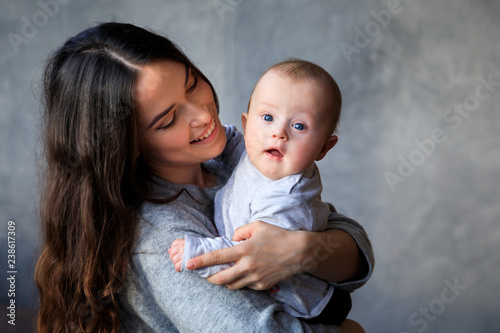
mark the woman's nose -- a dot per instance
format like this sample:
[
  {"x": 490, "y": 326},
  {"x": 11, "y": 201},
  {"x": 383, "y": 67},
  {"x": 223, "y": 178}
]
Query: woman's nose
[{"x": 200, "y": 115}]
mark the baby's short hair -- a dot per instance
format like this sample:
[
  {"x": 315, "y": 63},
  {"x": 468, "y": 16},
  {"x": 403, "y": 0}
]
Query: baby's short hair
[{"x": 298, "y": 69}]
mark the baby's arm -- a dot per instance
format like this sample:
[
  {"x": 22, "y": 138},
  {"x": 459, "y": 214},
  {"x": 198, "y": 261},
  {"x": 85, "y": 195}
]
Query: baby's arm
[{"x": 182, "y": 250}]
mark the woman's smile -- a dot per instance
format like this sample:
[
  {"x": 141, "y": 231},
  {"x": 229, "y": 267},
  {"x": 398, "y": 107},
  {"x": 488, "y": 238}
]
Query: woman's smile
[{"x": 207, "y": 137}]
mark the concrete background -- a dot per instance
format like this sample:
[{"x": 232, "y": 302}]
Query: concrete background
[{"x": 418, "y": 161}]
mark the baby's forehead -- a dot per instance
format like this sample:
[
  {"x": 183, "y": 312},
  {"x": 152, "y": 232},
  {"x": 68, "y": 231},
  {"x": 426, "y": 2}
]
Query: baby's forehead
[
  {"x": 273, "y": 75},
  {"x": 322, "y": 91}
]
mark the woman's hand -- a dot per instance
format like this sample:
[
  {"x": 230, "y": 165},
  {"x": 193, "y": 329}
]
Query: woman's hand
[
  {"x": 272, "y": 254},
  {"x": 266, "y": 258}
]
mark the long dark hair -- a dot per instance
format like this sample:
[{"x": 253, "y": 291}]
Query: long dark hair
[{"x": 89, "y": 185}]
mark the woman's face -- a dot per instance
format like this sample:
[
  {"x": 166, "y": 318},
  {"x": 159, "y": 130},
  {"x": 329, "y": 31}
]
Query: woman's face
[{"x": 177, "y": 119}]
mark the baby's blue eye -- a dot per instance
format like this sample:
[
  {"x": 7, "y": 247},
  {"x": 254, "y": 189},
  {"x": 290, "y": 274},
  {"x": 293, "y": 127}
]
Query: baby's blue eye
[
  {"x": 299, "y": 126},
  {"x": 267, "y": 117}
]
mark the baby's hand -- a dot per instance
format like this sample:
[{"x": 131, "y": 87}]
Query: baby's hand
[{"x": 176, "y": 251}]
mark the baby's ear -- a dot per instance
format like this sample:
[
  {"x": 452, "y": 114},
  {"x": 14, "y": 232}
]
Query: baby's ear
[
  {"x": 329, "y": 144},
  {"x": 244, "y": 116}
]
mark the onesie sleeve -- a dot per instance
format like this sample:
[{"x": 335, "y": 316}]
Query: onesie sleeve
[{"x": 196, "y": 246}]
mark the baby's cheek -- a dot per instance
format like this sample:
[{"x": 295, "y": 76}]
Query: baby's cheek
[
  {"x": 250, "y": 147},
  {"x": 304, "y": 157},
  {"x": 261, "y": 135}
]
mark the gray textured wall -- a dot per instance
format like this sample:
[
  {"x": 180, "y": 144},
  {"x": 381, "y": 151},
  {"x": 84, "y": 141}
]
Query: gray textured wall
[{"x": 418, "y": 161}]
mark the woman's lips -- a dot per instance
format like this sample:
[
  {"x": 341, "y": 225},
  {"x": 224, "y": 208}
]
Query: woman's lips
[{"x": 208, "y": 135}]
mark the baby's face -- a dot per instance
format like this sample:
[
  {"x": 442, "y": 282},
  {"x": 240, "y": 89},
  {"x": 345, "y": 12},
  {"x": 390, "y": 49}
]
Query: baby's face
[{"x": 287, "y": 125}]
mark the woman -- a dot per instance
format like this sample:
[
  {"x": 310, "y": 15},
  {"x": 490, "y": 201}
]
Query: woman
[{"x": 131, "y": 132}]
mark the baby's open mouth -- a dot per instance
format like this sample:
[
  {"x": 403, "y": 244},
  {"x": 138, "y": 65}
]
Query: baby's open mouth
[{"x": 274, "y": 152}]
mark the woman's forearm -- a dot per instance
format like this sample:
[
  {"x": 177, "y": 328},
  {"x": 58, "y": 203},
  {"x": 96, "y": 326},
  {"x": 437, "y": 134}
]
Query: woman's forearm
[
  {"x": 332, "y": 255},
  {"x": 272, "y": 254}
]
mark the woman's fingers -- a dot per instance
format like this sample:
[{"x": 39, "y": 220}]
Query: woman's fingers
[
  {"x": 237, "y": 277},
  {"x": 243, "y": 275},
  {"x": 227, "y": 255},
  {"x": 217, "y": 257},
  {"x": 230, "y": 254},
  {"x": 226, "y": 277}
]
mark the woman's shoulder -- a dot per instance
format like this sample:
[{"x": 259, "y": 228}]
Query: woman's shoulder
[{"x": 160, "y": 224}]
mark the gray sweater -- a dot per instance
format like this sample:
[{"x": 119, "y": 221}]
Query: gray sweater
[{"x": 156, "y": 298}]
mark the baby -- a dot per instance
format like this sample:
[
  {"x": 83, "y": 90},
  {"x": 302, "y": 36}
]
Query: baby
[{"x": 290, "y": 123}]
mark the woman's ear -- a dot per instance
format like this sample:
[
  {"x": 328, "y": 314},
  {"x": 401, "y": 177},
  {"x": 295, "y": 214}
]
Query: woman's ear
[
  {"x": 244, "y": 116},
  {"x": 329, "y": 144}
]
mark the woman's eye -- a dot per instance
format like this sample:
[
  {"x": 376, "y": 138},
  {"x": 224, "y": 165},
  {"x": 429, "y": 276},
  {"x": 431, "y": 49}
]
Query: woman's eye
[
  {"x": 170, "y": 124},
  {"x": 267, "y": 117},
  {"x": 299, "y": 126}
]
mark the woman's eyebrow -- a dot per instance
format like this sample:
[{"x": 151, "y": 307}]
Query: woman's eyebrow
[
  {"x": 160, "y": 115},
  {"x": 164, "y": 113}
]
